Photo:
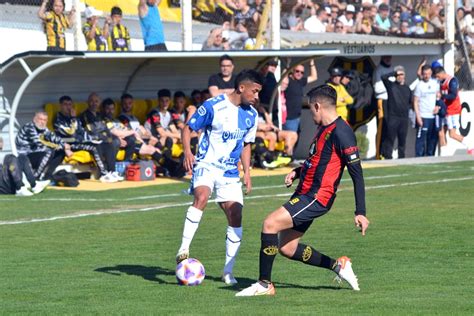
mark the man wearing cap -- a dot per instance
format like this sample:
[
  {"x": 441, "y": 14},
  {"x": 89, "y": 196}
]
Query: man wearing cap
[
  {"x": 399, "y": 101},
  {"x": 96, "y": 38},
  {"x": 343, "y": 98},
  {"x": 152, "y": 28},
  {"x": 347, "y": 18},
  {"x": 119, "y": 39},
  {"x": 382, "y": 20}
]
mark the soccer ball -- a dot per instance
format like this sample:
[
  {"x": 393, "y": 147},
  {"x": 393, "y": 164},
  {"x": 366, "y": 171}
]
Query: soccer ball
[{"x": 190, "y": 272}]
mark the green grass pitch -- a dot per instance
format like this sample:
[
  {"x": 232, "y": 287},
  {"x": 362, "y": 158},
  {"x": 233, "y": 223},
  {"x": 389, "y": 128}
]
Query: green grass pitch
[{"x": 66, "y": 252}]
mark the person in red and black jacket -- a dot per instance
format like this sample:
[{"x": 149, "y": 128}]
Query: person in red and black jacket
[{"x": 334, "y": 148}]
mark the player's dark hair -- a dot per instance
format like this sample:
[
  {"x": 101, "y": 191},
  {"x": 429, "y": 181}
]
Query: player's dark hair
[
  {"x": 65, "y": 98},
  {"x": 126, "y": 96},
  {"x": 323, "y": 94},
  {"x": 248, "y": 75},
  {"x": 179, "y": 94},
  {"x": 438, "y": 70},
  {"x": 116, "y": 11},
  {"x": 426, "y": 67},
  {"x": 164, "y": 93},
  {"x": 205, "y": 91},
  {"x": 225, "y": 57},
  {"x": 195, "y": 92},
  {"x": 107, "y": 102}
]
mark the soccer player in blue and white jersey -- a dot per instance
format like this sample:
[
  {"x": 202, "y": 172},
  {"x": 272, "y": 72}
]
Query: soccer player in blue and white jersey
[{"x": 228, "y": 123}]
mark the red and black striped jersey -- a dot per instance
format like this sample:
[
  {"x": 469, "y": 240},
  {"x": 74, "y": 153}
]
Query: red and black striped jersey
[{"x": 333, "y": 148}]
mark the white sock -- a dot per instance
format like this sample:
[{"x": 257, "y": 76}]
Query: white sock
[
  {"x": 232, "y": 245},
  {"x": 25, "y": 181},
  {"x": 191, "y": 224},
  {"x": 466, "y": 143}
]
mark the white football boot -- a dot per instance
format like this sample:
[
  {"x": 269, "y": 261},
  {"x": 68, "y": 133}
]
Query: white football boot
[
  {"x": 257, "y": 289},
  {"x": 346, "y": 273}
]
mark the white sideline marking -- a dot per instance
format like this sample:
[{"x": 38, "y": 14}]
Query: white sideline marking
[
  {"x": 146, "y": 209},
  {"x": 149, "y": 197}
]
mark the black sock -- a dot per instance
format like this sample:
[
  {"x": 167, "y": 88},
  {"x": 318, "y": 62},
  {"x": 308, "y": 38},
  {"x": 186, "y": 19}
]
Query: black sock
[
  {"x": 309, "y": 255},
  {"x": 268, "y": 252}
]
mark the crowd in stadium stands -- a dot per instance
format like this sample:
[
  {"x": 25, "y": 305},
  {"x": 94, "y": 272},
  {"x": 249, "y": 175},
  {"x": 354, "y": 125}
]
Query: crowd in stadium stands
[
  {"x": 239, "y": 21},
  {"x": 408, "y": 18}
]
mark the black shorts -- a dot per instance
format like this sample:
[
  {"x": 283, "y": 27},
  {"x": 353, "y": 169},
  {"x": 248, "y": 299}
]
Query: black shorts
[{"x": 303, "y": 210}]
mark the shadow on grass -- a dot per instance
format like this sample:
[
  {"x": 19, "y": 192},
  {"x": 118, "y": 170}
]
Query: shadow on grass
[{"x": 155, "y": 274}]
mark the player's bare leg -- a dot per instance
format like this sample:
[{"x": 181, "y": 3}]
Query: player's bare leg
[
  {"x": 193, "y": 218},
  {"x": 233, "y": 211}
]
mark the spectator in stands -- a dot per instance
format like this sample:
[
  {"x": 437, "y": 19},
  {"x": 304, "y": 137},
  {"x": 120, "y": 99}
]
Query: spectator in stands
[
  {"x": 11, "y": 177},
  {"x": 398, "y": 103},
  {"x": 343, "y": 98},
  {"x": 44, "y": 149},
  {"x": 417, "y": 27},
  {"x": 364, "y": 22},
  {"x": 317, "y": 22},
  {"x": 436, "y": 22},
  {"x": 243, "y": 14},
  {"x": 395, "y": 22},
  {"x": 222, "y": 82},
  {"x": 119, "y": 37},
  {"x": 449, "y": 88},
  {"x": 152, "y": 28},
  {"x": 178, "y": 112},
  {"x": 159, "y": 119},
  {"x": 196, "y": 98},
  {"x": 258, "y": 5},
  {"x": 339, "y": 28},
  {"x": 96, "y": 37},
  {"x": 251, "y": 42},
  {"x": 424, "y": 104},
  {"x": 347, "y": 19},
  {"x": 68, "y": 127},
  {"x": 215, "y": 41},
  {"x": 405, "y": 30},
  {"x": 294, "y": 94},
  {"x": 382, "y": 20},
  {"x": 205, "y": 94},
  {"x": 95, "y": 125},
  {"x": 465, "y": 24},
  {"x": 55, "y": 23}
]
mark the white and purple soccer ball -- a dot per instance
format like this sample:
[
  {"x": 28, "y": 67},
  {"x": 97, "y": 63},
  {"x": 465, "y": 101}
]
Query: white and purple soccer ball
[{"x": 190, "y": 272}]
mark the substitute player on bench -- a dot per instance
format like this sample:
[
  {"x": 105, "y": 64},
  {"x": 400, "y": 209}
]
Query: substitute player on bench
[{"x": 333, "y": 148}]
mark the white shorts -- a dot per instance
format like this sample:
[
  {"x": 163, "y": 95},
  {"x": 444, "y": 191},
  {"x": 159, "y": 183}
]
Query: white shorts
[
  {"x": 452, "y": 121},
  {"x": 227, "y": 189}
]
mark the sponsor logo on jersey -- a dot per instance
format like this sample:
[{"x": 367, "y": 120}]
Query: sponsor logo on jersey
[
  {"x": 270, "y": 250},
  {"x": 237, "y": 134}
]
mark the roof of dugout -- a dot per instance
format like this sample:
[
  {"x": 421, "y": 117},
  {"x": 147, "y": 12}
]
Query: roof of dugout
[{"x": 32, "y": 79}]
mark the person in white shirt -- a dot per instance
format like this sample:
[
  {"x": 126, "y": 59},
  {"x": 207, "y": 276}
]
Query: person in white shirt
[
  {"x": 228, "y": 123},
  {"x": 347, "y": 18},
  {"x": 425, "y": 106},
  {"x": 317, "y": 23}
]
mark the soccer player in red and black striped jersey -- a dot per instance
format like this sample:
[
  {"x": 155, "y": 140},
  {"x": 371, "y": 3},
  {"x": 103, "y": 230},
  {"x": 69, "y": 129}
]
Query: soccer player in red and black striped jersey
[{"x": 334, "y": 148}]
